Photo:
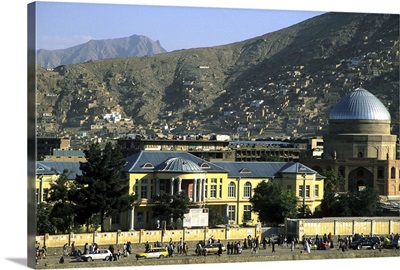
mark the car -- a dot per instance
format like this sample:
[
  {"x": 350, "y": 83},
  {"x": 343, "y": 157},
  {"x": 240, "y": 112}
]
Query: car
[
  {"x": 392, "y": 243},
  {"x": 155, "y": 252},
  {"x": 101, "y": 254},
  {"x": 274, "y": 238},
  {"x": 373, "y": 242},
  {"x": 213, "y": 248}
]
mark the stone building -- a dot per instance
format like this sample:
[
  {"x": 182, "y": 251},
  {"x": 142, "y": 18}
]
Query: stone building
[{"x": 359, "y": 145}]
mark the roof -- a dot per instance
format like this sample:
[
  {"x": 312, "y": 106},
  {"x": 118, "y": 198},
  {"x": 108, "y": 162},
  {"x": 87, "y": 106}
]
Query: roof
[
  {"x": 359, "y": 105},
  {"x": 171, "y": 161},
  {"x": 68, "y": 153},
  {"x": 264, "y": 169},
  {"x": 56, "y": 167}
]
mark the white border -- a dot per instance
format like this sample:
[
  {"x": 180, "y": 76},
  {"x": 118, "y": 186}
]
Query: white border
[{"x": 13, "y": 74}]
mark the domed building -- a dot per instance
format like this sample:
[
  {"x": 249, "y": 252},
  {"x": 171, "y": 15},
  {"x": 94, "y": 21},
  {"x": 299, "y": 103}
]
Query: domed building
[{"x": 359, "y": 145}]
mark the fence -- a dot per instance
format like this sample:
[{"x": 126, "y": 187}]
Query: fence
[
  {"x": 299, "y": 227},
  {"x": 344, "y": 226},
  {"x": 143, "y": 236}
]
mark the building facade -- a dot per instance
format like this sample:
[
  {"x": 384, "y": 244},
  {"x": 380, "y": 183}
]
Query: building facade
[
  {"x": 225, "y": 186},
  {"x": 359, "y": 145}
]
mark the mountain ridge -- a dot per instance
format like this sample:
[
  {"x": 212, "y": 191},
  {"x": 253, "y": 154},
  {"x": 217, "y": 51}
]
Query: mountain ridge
[
  {"x": 299, "y": 73},
  {"x": 132, "y": 46}
]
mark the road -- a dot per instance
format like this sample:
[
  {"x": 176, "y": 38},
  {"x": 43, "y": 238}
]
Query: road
[{"x": 280, "y": 254}]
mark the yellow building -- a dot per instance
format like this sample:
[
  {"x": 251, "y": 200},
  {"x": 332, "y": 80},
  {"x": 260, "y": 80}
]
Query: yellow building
[
  {"x": 225, "y": 186},
  {"x": 47, "y": 172},
  {"x": 228, "y": 186}
]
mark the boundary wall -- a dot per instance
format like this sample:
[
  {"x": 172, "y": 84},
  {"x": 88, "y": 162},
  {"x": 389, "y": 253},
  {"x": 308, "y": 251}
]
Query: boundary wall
[
  {"x": 151, "y": 236},
  {"x": 381, "y": 226},
  {"x": 344, "y": 226}
]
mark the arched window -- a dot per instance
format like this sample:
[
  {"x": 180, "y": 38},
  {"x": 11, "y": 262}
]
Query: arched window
[
  {"x": 393, "y": 172},
  {"x": 247, "y": 190},
  {"x": 232, "y": 190},
  {"x": 360, "y": 154}
]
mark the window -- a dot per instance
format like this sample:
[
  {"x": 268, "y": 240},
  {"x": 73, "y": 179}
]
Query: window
[
  {"x": 152, "y": 190},
  {"x": 300, "y": 191},
  {"x": 393, "y": 173},
  {"x": 380, "y": 172},
  {"x": 247, "y": 190},
  {"x": 115, "y": 220},
  {"x": 316, "y": 191},
  {"x": 220, "y": 191},
  {"x": 247, "y": 212},
  {"x": 45, "y": 194},
  {"x": 231, "y": 190},
  {"x": 342, "y": 171},
  {"x": 213, "y": 191},
  {"x": 308, "y": 191},
  {"x": 231, "y": 212},
  {"x": 143, "y": 191}
]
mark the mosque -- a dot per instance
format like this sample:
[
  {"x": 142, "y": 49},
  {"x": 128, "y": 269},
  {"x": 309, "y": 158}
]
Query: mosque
[{"x": 359, "y": 145}]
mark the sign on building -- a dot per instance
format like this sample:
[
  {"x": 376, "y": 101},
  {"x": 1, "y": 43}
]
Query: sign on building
[{"x": 196, "y": 217}]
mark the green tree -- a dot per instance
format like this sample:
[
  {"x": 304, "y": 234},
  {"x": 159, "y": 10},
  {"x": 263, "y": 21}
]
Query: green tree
[
  {"x": 101, "y": 190},
  {"x": 169, "y": 206},
  {"x": 273, "y": 204},
  {"x": 334, "y": 182},
  {"x": 214, "y": 216},
  {"x": 63, "y": 208},
  {"x": 347, "y": 204},
  {"x": 43, "y": 219},
  {"x": 364, "y": 202}
]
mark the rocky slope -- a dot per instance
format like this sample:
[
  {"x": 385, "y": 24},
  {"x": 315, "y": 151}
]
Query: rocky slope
[{"x": 298, "y": 73}]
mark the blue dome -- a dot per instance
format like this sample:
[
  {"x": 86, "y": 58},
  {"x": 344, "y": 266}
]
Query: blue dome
[
  {"x": 360, "y": 105},
  {"x": 179, "y": 164}
]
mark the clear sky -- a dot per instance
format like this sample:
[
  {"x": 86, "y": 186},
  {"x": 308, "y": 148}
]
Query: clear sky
[{"x": 63, "y": 25}]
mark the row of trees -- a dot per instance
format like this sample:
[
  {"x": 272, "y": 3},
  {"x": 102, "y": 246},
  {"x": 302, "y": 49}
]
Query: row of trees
[{"x": 101, "y": 191}]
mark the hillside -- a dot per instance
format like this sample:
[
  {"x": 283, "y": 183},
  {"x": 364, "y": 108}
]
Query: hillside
[
  {"x": 279, "y": 84},
  {"x": 133, "y": 46}
]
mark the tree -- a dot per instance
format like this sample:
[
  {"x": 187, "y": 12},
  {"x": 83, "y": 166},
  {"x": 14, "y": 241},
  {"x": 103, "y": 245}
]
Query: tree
[
  {"x": 214, "y": 216},
  {"x": 169, "y": 206},
  {"x": 347, "y": 204},
  {"x": 101, "y": 190},
  {"x": 63, "y": 208},
  {"x": 334, "y": 182},
  {"x": 273, "y": 204},
  {"x": 364, "y": 202},
  {"x": 43, "y": 219}
]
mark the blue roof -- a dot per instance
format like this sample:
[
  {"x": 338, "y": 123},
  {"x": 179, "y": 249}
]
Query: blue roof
[
  {"x": 263, "y": 169},
  {"x": 56, "y": 167},
  {"x": 359, "y": 105},
  {"x": 171, "y": 161}
]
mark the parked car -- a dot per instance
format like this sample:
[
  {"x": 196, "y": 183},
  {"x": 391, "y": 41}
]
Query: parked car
[
  {"x": 373, "y": 242},
  {"x": 392, "y": 243},
  {"x": 155, "y": 252},
  {"x": 101, "y": 254},
  {"x": 213, "y": 248}
]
